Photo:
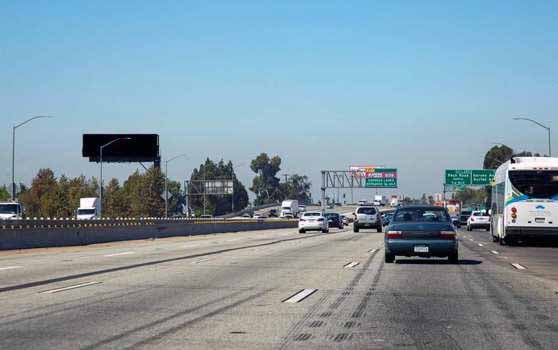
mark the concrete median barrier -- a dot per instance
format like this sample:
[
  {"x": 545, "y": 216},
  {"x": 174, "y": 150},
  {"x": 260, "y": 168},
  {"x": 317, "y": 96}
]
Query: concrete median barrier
[{"x": 22, "y": 234}]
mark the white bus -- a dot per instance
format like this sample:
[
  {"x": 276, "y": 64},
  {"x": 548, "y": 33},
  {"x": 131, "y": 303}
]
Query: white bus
[{"x": 525, "y": 199}]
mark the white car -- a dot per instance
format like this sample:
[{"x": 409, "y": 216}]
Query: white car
[
  {"x": 367, "y": 217},
  {"x": 313, "y": 221},
  {"x": 478, "y": 219}
]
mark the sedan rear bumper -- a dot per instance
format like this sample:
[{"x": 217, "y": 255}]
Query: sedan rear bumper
[
  {"x": 440, "y": 248},
  {"x": 310, "y": 226},
  {"x": 480, "y": 225}
]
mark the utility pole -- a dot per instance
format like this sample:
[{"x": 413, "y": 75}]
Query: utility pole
[
  {"x": 187, "y": 195},
  {"x": 204, "y": 187},
  {"x": 323, "y": 191},
  {"x": 166, "y": 182}
]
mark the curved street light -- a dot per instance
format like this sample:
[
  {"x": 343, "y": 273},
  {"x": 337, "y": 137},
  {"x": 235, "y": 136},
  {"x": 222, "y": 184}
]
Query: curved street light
[
  {"x": 13, "y": 148},
  {"x": 101, "y": 165},
  {"x": 542, "y": 126}
]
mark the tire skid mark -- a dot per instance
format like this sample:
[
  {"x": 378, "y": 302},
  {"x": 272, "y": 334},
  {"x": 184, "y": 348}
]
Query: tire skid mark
[
  {"x": 297, "y": 330},
  {"x": 414, "y": 328},
  {"x": 480, "y": 312},
  {"x": 498, "y": 293},
  {"x": 294, "y": 334}
]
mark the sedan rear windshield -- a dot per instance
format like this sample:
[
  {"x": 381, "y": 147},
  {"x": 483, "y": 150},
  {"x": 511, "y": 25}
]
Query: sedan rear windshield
[
  {"x": 541, "y": 184},
  {"x": 312, "y": 214},
  {"x": 331, "y": 215},
  {"x": 421, "y": 215},
  {"x": 367, "y": 211}
]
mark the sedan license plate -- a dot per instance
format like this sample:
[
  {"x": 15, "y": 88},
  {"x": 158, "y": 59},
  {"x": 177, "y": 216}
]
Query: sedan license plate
[
  {"x": 421, "y": 249},
  {"x": 540, "y": 220}
]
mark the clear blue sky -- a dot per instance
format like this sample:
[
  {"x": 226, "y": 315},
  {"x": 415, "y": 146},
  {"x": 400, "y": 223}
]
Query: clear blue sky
[{"x": 421, "y": 86}]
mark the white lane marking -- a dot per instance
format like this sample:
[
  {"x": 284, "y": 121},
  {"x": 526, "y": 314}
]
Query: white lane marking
[
  {"x": 10, "y": 268},
  {"x": 373, "y": 250},
  {"x": 519, "y": 266},
  {"x": 481, "y": 245},
  {"x": 300, "y": 296},
  {"x": 494, "y": 252},
  {"x": 191, "y": 245},
  {"x": 200, "y": 261},
  {"x": 351, "y": 264},
  {"x": 119, "y": 254},
  {"x": 52, "y": 291}
]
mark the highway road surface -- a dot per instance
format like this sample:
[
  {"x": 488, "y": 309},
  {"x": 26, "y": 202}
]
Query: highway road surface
[{"x": 278, "y": 289}]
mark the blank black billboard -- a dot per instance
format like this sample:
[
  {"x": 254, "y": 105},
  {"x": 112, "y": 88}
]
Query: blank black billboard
[{"x": 138, "y": 148}]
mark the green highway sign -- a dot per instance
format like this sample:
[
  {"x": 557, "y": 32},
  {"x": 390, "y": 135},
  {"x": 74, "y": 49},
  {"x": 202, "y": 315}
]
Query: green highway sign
[
  {"x": 381, "y": 178},
  {"x": 462, "y": 177},
  {"x": 482, "y": 177}
]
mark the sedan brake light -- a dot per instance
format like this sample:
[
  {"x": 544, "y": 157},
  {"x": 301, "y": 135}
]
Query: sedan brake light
[
  {"x": 447, "y": 235},
  {"x": 321, "y": 219},
  {"x": 393, "y": 234},
  {"x": 301, "y": 219}
]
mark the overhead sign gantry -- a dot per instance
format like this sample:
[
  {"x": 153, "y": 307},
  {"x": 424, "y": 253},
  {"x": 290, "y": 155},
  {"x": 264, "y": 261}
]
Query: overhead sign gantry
[{"x": 358, "y": 177}]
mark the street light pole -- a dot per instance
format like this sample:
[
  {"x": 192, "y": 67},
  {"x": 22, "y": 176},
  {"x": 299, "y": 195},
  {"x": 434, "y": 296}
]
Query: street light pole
[
  {"x": 13, "y": 149},
  {"x": 166, "y": 182},
  {"x": 101, "y": 175},
  {"x": 542, "y": 126}
]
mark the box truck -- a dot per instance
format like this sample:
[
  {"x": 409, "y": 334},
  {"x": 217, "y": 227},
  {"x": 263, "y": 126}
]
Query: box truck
[
  {"x": 88, "y": 208},
  {"x": 289, "y": 208}
]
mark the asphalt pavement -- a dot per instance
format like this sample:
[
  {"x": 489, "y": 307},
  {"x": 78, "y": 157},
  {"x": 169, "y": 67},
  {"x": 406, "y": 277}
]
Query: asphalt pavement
[{"x": 278, "y": 289}]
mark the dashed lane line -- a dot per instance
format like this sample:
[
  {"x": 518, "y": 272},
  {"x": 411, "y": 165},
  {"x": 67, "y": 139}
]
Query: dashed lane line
[
  {"x": 200, "y": 261},
  {"x": 4, "y": 268},
  {"x": 494, "y": 252},
  {"x": 75, "y": 286},
  {"x": 518, "y": 266},
  {"x": 351, "y": 265},
  {"x": 119, "y": 254},
  {"x": 299, "y": 296}
]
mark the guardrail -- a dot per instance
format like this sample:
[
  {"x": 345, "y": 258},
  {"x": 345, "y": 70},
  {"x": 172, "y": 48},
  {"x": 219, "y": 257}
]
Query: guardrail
[
  {"x": 51, "y": 232},
  {"x": 105, "y": 222}
]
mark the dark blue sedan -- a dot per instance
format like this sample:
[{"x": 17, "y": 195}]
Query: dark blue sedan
[{"x": 423, "y": 231}]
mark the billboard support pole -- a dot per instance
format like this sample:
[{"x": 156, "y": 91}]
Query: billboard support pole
[{"x": 101, "y": 166}]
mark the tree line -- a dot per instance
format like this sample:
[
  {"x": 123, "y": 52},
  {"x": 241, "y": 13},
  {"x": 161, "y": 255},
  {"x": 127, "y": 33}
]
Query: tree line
[{"x": 142, "y": 193}]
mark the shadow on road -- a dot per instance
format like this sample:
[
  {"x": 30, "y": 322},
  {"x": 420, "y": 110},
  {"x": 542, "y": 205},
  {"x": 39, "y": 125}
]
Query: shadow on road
[
  {"x": 436, "y": 262},
  {"x": 535, "y": 243}
]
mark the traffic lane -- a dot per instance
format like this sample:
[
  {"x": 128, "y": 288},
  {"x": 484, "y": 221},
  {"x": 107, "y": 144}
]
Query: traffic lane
[
  {"x": 477, "y": 304},
  {"x": 237, "y": 301},
  {"x": 535, "y": 258},
  {"x": 27, "y": 267},
  {"x": 432, "y": 304},
  {"x": 215, "y": 301}
]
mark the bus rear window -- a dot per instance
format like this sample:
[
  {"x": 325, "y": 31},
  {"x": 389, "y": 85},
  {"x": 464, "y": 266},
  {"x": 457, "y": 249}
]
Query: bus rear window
[{"x": 541, "y": 184}]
